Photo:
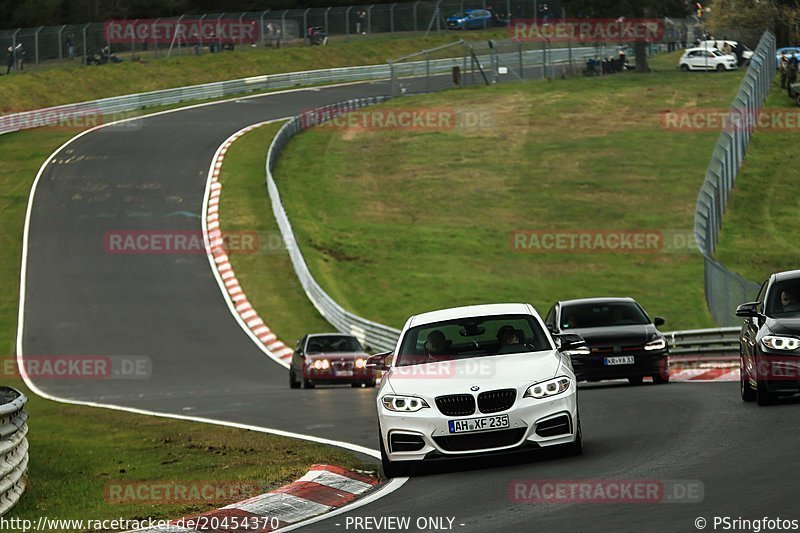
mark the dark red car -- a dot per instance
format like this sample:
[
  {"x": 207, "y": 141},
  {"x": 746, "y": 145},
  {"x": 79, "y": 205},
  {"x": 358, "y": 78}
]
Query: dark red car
[{"x": 330, "y": 359}]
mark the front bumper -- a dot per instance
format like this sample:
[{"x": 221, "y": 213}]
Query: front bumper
[
  {"x": 331, "y": 376},
  {"x": 778, "y": 373},
  {"x": 526, "y": 417},
  {"x": 594, "y": 368}
]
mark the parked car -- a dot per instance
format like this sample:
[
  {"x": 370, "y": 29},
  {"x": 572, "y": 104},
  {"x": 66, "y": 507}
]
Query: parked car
[
  {"x": 706, "y": 59},
  {"x": 624, "y": 342},
  {"x": 329, "y": 358},
  {"x": 476, "y": 380},
  {"x": 769, "y": 342},
  {"x": 747, "y": 53},
  {"x": 470, "y": 19},
  {"x": 790, "y": 51}
]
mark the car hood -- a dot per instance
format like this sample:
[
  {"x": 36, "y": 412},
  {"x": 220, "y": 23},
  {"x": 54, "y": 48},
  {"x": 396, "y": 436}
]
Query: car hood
[
  {"x": 488, "y": 373},
  {"x": 616, "y": 335},
  {"x": 337, "y": 356},
  {"x": 784, "y": 326}
]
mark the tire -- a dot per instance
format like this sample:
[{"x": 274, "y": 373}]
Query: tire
[
  {"x": 308, "y": 384},
  {"x": 685, "y": 67},
  {"x": 747, "y": 392},
  {"x": 293, "y": 383},
  {"x": 720, "y": 68},
  {"x": 390, "y": 469},
  {"x": 372, "y": 383},
  {"x": 357, "y": 384},
  {"x": 662, "y": 377},
  {"x": 636, "y": 380}
]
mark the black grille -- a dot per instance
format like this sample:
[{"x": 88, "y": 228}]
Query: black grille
[
  {"x": 456, "y": 404},
  {"x": 403, "y": 442},
  {"x": 559, "y": 425},
  {"x": 480, "y": 441},
  {"x": 495, "y": 401}
]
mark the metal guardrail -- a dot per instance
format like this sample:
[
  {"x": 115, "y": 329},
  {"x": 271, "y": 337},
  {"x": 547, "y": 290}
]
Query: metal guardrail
[
  {"x": 13, "y": 447},
  {"x": 724, "y": 290},
  {"x": 723, "y": 341},
  {"x": 92, "y": 112}
]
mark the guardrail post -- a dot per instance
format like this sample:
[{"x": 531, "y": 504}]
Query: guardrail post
[
  {"x": 36, "y": 45},
  {"x": 219, "y": 31},
  {"x": 241, "y": 33},
  {"x": 202, "y": 42},
  {"x": 261, "y": 31},
  {"x": 61, "y": 42},
  {"x": 414, "y": 14},
  {"x": 369, "y": 19},
  {"x": 328, "y": 10},
  {"x": 347, "y": 20},
  {"x": 283, "y": 27},
  {"x": 83, "y": 32},
  {"x": 391, "y": 17}
]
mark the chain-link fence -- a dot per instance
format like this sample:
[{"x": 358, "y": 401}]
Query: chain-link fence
[
  {"x": 725, "y": 289},
  {"x": 212, "y": 32}
]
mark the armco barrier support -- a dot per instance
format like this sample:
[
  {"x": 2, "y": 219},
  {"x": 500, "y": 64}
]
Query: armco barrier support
[{"x": 13, "y": 447}]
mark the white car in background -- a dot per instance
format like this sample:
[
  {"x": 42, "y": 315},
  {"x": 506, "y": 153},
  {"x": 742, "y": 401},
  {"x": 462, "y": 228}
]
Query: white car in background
[
  {"x": 706, "y": 59},
  {"x": 747, "y": 54},
  {"x": 476, "y": 380}
]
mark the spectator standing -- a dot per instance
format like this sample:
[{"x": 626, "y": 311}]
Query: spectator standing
[
  {"x": 791, "y": 74},
  {"x": 782, "y": 64},
  {"x": 361, "y": 18},
  {"x": 20, "y": 53},
  {"x": 70, "y": 44},
  {"x": 684, "y": 36}
]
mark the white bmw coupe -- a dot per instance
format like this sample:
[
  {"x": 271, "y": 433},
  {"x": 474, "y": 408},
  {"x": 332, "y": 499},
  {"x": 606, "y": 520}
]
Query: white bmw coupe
[{"x": 476, "y": 380}]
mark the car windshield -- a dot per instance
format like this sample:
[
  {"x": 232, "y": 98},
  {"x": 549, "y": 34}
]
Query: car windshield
[
  {"x": 784, "y": 299},
  {"x": 333, "y": 343},
  {"x": 466, "y": 338},
  {"x": 459, "y": 15},
  {"x": 717, "y": 53},
  {"x": 602, "y": 315}
]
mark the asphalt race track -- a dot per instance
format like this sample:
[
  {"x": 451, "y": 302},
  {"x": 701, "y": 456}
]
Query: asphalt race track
[{"x": 151, "y": 175}]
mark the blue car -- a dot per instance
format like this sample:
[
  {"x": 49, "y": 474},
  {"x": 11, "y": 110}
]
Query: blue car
[
  {"x": 470, "y": 19},
  {"x": 790, "y": 51}
]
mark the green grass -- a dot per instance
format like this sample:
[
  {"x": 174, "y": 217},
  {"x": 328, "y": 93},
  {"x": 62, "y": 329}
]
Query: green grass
[
  {"x": 267, "y": 276},
  {"x": 33, "y": 89},
  {"x": 76, "y": 451},
  {"x": 760, "y": 231},
  {"x": 396, "y": 222}
]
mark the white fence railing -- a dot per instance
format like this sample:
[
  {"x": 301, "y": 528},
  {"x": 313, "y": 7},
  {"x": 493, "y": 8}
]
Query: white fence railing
[
  {"x": 13, "y": 447},
  {"x": 718, "y": 342}
]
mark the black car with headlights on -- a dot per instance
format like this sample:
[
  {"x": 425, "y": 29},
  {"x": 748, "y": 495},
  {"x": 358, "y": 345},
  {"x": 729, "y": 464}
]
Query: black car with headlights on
[
  {"x": 623, "y": 342},
  {"x": 769, "y": 342}
]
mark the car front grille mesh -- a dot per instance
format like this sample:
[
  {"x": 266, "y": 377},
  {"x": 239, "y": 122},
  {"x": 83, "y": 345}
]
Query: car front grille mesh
[
  {"x": 456, "y": 404},
  {"x": 496, "y": 400}
]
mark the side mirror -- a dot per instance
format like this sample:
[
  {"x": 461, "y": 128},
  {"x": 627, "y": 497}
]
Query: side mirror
[
  {"x": 378, "y": 361},
  {"x": 748, "y": 310},
  {"x": 571, "y": 344},
  {"x": 658, "y": 321}
]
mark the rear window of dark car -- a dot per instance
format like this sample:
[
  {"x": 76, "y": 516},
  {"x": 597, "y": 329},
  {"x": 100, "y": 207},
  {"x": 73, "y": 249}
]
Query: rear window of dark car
[{"x": 333, "y": 343}]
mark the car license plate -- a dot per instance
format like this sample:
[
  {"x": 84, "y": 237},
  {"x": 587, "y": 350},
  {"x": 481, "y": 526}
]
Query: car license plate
[
  {"x": 623, "y": 360},
  {"x": 486, "y": 423},
  {"x": 344, "y": 373}
]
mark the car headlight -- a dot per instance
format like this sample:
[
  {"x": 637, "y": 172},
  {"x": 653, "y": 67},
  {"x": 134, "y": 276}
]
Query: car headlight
[
  {"x": 551, "y": 387},
  {"x": 361, "y": 363},
  {"x": 407, "y": 404},
  {"x": 777, "y": 342},
  {"x": 658, "y": 344},
  {"x": 322, "y": 364}
]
